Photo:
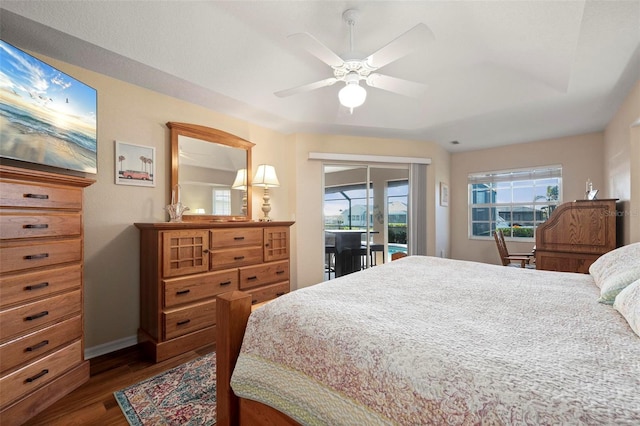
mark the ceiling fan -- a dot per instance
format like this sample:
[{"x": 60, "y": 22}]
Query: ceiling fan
[{"x": 353, "y": 68}]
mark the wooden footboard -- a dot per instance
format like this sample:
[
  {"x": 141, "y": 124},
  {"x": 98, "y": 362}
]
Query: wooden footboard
[{"x": 232, "y": 313}]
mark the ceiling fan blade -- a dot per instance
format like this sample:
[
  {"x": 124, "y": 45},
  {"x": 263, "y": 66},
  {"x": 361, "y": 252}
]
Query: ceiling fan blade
[
  {"x": 306, "y": 87},
  {"x": 316, "y": 48},
  {"x": 414, "y": 38},
  {"x": 396, "y": 85}
]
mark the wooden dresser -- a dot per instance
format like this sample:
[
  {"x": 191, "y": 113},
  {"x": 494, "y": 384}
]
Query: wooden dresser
[
  {"x": 41, "y": 287},
  {"x": 575, "y": 235},
  {"x": 183, "y": 266}
]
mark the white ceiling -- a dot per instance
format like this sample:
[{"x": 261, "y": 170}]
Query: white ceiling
[{"x": 498, "y": 72}]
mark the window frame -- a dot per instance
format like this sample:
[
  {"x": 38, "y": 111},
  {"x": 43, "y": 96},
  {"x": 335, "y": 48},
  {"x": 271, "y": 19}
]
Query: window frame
[{"x": 492, "y": 179}]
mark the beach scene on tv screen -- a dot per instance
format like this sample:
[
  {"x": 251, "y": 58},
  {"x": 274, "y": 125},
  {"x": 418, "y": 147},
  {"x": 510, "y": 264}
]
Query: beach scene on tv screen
[{"x": 46, "y": 116}]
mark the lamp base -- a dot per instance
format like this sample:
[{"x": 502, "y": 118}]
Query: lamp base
[{"x": 266, "y": 206}]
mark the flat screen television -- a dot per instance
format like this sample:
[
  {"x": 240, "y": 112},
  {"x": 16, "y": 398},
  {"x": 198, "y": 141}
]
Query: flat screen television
[{"x": 46, "y": 116}]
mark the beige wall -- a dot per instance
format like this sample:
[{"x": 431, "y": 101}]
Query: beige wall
[
  {"x": 579, "y": 156},
  {"x": 622, "y": 164},
  {"x": 634, "y": 211}
]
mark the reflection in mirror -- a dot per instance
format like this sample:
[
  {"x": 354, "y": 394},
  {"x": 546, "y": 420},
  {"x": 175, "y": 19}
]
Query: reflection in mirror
[{"x": 206, "y": 164}]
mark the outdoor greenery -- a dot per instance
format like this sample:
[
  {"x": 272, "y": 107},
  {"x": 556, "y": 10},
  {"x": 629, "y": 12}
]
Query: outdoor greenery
[
  {"x": 398, "y": 233},
  {"x": 518, "y": 232}
]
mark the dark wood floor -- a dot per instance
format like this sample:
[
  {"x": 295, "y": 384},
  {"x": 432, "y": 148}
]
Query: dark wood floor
[{"x": 93, "y": 403}]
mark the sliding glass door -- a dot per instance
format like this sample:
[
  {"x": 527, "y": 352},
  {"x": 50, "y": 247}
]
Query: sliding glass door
[{"x": 365, "y": 215}]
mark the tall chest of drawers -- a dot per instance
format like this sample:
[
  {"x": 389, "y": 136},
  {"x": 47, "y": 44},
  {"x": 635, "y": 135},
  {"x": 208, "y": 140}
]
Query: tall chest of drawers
[
  {"x": 183, "y": 266},
  {"x": 41, "y": 290}
]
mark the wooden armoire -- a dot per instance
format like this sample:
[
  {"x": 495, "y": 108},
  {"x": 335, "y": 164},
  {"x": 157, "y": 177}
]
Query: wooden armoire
[{"x": 575, "y": 235}]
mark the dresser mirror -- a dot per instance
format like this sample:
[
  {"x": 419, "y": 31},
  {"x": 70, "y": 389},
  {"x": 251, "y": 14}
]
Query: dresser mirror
[{"x": 207, "y": 173}]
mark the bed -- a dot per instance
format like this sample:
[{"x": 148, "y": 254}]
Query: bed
[{"x": 424, "y": 340}]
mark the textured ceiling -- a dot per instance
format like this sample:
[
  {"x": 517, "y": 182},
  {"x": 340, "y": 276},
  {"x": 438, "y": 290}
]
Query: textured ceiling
[{"x": 498, "y": 72}]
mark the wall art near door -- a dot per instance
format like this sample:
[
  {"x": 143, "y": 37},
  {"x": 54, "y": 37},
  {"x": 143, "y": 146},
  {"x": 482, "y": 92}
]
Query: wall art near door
[
  {"x": 444, "y": 194},
  {"x": 135, "y": 164}
]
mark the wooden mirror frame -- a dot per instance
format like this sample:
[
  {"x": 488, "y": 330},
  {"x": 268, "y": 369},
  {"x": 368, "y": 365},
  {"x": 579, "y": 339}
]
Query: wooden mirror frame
[{"x": 216, "y": 136}]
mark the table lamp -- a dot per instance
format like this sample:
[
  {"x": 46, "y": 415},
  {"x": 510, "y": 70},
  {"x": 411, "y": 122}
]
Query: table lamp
[
  {"x": 241, "y": 183},
  {"x": 266, "y": 178}
]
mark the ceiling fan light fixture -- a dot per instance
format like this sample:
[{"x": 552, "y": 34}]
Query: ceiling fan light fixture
[{"x": 352, "y": 95}]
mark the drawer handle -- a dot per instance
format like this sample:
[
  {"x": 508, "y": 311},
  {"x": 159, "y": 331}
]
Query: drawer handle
[
  {"x": 38, "y": 346},
  {"x": 183, "y": 292},
  {"x": 36, "y": 316},
  {"x": 36, "y": 286},
  {"x": 253, "y": 302},
  {"x": 205, "y": 251},
  {"x": 238, "y": 258},
  {"x": 238, "y": 238},
  {"x": 252, "y": 278},
  {"x": 279, "y": 272},
  {"x": 225, "y": 283},
  {"x": 37, "y": 376},
  {"x": 37, "y": 196},
  {"x": 280, "y": 294},
  {"x": 37, "y": 256},
  {"x": 36, "y": 226},
  {"x": 183, "y": 322}
]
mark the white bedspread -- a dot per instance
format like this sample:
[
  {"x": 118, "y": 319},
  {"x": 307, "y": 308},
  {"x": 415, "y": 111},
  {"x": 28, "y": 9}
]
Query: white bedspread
[{"x": 428, "y": 341}]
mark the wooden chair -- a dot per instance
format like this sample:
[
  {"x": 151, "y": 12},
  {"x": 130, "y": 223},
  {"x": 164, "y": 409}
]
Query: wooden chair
[
  {"x": 524, "y": 260},
  {"x": 398, "y": 255}
]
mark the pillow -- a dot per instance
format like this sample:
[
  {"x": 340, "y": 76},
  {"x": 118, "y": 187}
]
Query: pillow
[
  {"x": 615, "y": 270},
  {"x": 628, "y": 304}
]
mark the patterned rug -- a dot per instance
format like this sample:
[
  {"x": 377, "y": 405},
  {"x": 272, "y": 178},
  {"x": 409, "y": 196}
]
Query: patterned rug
[{"x": 184, "y": 395}]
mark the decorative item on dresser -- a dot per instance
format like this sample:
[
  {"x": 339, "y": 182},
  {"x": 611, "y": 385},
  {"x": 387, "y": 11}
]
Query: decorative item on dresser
[
  {"x": 575, "y": 235},
  {"x": 183, "y": 266},
  {"x": 41, "y": 290}
]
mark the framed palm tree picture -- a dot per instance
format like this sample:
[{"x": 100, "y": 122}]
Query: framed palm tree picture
[{"x": 135, "y": 164}]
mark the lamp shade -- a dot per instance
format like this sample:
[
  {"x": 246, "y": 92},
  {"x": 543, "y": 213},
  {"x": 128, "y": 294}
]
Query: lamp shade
[
  {"x": 265, "y": 176},
  {"x": 241, "y": 180},
  {"x": 352, "y": 95}
]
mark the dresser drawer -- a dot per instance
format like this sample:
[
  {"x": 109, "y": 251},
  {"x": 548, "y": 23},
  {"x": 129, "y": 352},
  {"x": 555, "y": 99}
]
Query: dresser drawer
[
  {"x": 39, "y": 225},
  {"x": 20, "y": 256},
  {"x": 233, "y": 258},
  {"x": 252, "y": 276},
  {"x": 235, "y": 237},
  {"x": 262, "y": 294},
  {"x": 21, "y": 319},
  {"x": 41, "y": 372},
  {"x": 32, "y": 346},
  {"x": 21, "y": 194},
  {"x": 27, "y": 286},
  {"x": 197, "y": 287},
  {"x": 178, "y": 322}
]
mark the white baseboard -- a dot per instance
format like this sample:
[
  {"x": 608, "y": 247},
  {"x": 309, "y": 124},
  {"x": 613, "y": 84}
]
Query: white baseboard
[{"x": 105, "y": 348}]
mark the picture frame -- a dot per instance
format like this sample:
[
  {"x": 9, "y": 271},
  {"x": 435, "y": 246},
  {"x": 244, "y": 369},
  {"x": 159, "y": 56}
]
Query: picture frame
[
  {"x": 444, "y": 194},
  {"x": 591, "y": 195},
  {"x": 135, "y": 164}
]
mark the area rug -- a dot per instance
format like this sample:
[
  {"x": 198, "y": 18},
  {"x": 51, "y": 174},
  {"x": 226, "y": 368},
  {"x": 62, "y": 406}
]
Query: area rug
[{"x": 184, "y": 395}]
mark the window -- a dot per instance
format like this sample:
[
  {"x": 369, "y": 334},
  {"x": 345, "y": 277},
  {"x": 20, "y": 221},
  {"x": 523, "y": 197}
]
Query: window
[
  {"x": 222, "y": 202},
  {"x": 397, "y": 202},
  {"x": 345, "y": 207},
  {"x": 516, "y": 201}
]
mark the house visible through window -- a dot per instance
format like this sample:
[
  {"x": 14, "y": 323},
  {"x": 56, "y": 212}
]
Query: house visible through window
[
  {"x": 397, "y": 202},
  {"x": 346, "y": 207},
  {"x": 515, "y": 201}
]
